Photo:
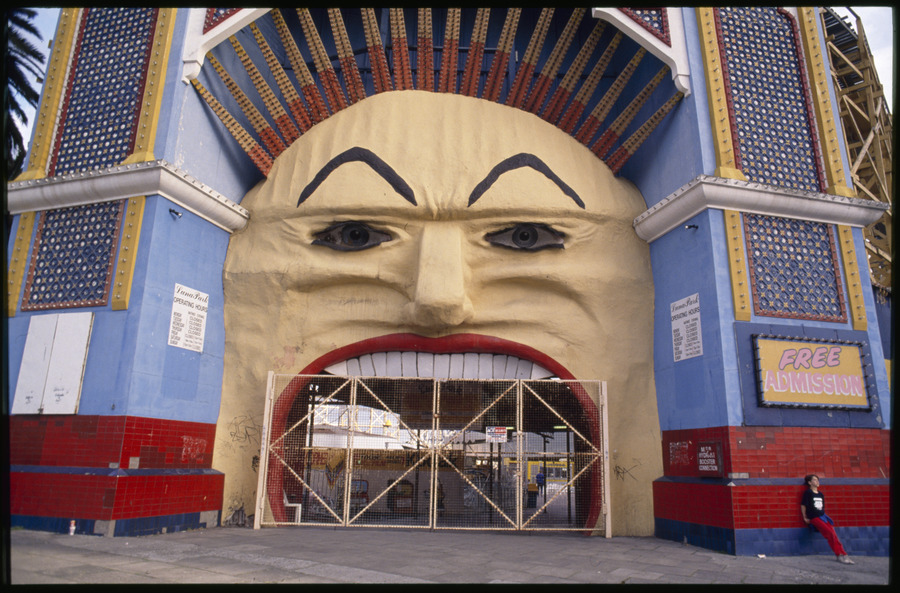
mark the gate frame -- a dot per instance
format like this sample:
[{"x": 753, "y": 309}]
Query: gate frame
[{"x": 432, "y": 453}]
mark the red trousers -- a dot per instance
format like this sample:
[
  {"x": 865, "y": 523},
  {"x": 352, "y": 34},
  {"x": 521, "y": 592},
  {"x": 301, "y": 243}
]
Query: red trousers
[{"x": 827, "y": 529}]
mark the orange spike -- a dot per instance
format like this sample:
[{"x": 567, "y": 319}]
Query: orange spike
[
  {"x": 590, "y": 126},
  {"x": 450, "y": 53},
  {"x": 425, "y": 52},
  {"x": 380, "y": 72},
  {"x": 494, "y": 83},
  {"x": 355, "y": 87},
  {"x": 567, "y": 86},
  {"x": 307, "y": 83},
  {"x": 631, "y": 145},
  {"x": 298, "y": 109},
  {"x": 271, "y": 140},
  {"x": 476, "y": 52},
  {"x": 615, "y": 130},
  {"x": 257, "y": 154},
  {"x": 551, "y": 66},
  {"x": 522, "y": 82},
  {"x": 288, "y": 131},
  {"x": 334, "y": 95},
  {"x": 400, "y": 51}
]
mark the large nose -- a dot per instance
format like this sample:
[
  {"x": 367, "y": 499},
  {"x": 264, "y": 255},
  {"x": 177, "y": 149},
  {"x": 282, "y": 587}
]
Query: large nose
[{"x": 441, "y": 296}]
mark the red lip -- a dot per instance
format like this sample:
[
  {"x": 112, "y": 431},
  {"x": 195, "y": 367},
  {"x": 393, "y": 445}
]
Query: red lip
[{"x": 446, "y": 345}]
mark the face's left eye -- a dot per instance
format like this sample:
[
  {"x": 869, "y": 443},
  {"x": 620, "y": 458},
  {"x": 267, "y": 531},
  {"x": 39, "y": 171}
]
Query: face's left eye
[
  {"x": 528, "y": 237},
  {"x": 350, "y": 236}
]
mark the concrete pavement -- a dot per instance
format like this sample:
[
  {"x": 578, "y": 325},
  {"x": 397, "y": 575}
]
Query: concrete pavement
[{"x": 361, "y": 555}]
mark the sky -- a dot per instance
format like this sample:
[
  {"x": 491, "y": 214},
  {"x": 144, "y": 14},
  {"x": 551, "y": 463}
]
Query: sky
[{"x": 878, "y": 23}]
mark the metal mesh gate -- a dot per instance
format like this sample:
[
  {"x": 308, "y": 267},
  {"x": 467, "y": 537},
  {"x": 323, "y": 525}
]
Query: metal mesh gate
[{"x": 434, "y": 453}]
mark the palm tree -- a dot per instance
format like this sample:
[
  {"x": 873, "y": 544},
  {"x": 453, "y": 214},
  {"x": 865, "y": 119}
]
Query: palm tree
[{"x": 24, "y": 72}]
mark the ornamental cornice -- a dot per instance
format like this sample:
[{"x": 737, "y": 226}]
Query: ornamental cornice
[
  {"x": 706, "y": 192},
  {"x": 127, "y": 181}
]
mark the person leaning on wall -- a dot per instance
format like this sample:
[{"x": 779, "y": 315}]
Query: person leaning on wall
[{"x": 812, "y": 509}]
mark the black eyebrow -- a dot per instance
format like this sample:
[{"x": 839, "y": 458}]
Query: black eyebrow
[
  {"x": 523, "y": 159},
  {"x": 368, "y": 157}
]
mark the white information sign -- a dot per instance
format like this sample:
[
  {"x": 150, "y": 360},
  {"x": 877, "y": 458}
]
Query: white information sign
[
  {"x": 495, "y": 434},
  {"x": 686, "y": 339},
  {"x": 187, "y": 328}
]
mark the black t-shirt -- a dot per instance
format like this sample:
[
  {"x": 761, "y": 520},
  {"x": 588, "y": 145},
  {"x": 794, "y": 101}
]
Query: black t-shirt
[{"x": 814, "y": 503}]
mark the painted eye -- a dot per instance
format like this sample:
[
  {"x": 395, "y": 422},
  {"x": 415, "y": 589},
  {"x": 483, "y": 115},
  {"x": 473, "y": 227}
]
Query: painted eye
[
  {"x": 350, "y": 236},
  {"x": 527, "y": 237}
]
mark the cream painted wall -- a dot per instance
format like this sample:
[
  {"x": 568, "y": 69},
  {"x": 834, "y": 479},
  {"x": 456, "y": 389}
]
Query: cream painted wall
[{"x": 588, "y": 307}]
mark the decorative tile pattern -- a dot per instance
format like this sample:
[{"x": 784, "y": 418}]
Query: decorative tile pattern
[
  {"x": 214, "y": 16},
  {"x": 793, "y": 268},
  {"x": 73, "y": 257},
  {"x": 105, "y": 89},
  {"x": 653, "y": 19},
  {"x": 775, "y": 139}
]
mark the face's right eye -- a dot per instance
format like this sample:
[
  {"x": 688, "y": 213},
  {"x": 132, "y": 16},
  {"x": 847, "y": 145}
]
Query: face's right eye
[{"x": 350, "y": 236}]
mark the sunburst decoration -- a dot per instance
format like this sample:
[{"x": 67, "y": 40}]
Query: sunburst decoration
[{"x": 292, "y": 108}]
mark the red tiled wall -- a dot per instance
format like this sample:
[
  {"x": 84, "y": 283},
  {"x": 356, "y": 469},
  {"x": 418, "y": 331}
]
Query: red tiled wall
[
  {"x": 111, "y": 497},
  {"x": 64, "y": 448},
  {"x": 704, "y": 504},
  {"x": 849, "y": 505},
  {"x": 767, "y": 506},
  {"x": 110, "y": 441},
  {"x": 783, "y": 452}
]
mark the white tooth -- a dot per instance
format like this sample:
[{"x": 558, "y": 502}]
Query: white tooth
[
  {"x": 456, "y": 365},
  {"x": 512, "y": 366},
  {"x": 539, "y": 372},
  {"x": 485, "y": 366},
  {"x": 338, "y": 368},
  {"x": 470, "y": 366},
  {"x": 366, "y": 366},
  {"x": 425, "y": 362},
  {"x": 408, "y": 364},
  {"x": 498, "y": 364},
  {"x": 524, "y": 370},
  {"x": 379, "y": 361},
  {"x": 394, "y": 368},
  {"x": 441, "y": 366}
]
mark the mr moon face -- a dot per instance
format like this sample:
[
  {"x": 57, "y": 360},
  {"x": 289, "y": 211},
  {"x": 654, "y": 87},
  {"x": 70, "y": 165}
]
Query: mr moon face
[{"x": 419, "y": 222}]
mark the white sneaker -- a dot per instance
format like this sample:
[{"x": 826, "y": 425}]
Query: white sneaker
[{"x": 845, "y": 559}]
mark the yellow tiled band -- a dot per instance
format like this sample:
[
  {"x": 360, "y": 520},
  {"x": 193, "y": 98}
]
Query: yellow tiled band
[
  {"x": 737, "y": 259},
  {"x": 715, "y": 92},
  {"x": 817, "y": 65},
  {"x": 151, "y": 102},
  {"x": 54, "y": 89},
  {"x": 854, "y": 282},
  {"x": 18, "y": 261},
  {"x": 131, "y": 234}
]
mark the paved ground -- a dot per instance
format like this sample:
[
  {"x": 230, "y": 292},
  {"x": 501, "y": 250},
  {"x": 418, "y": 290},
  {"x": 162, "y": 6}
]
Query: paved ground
[{"x": 327, "y": 555}]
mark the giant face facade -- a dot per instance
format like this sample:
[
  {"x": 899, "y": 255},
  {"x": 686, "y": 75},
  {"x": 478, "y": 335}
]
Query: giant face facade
[{"x": 424, "y": 222}]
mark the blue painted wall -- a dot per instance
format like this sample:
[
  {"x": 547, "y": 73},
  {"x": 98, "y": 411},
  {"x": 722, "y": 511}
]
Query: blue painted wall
[{"x": 690, "y": 393}]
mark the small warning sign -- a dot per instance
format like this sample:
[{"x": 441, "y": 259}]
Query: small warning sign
[{"x": 496, "y": 434}]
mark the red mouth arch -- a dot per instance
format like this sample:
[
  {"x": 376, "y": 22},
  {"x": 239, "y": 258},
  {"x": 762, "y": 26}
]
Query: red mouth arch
[{"x": 475, "y": 343}]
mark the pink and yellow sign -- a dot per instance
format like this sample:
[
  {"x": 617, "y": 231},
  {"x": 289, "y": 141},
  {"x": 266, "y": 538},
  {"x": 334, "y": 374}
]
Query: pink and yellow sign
[{"x": 810, "y": 373}]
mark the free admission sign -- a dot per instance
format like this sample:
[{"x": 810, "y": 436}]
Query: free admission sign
[{"x": 799, "y": 373}]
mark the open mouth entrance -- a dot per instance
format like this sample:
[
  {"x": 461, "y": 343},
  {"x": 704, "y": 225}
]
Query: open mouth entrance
[{"x": 437, "y": 453}]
